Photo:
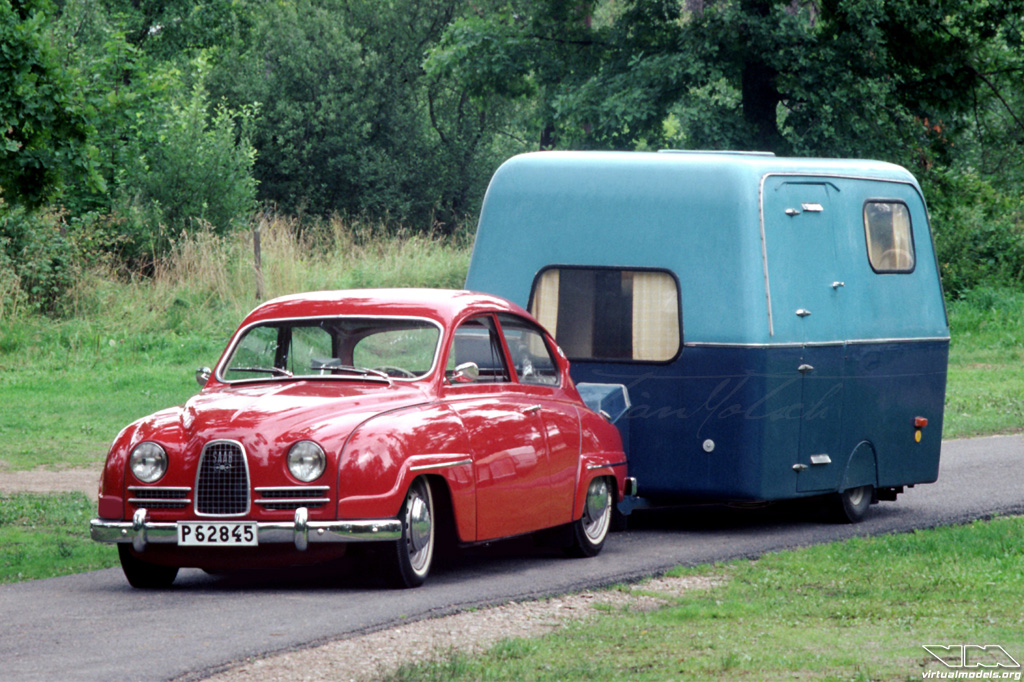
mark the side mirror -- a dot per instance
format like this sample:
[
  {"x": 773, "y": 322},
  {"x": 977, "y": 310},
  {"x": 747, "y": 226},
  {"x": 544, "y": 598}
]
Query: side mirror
[
  {"x": 203, "y": 375},
  {"x": 466, "y": 373}
]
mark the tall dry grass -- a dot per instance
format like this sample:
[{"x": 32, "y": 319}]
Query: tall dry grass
[{"x": 211, "y": 280}]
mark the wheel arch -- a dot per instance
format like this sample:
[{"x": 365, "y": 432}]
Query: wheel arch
[{"x": 861, "y": 468}]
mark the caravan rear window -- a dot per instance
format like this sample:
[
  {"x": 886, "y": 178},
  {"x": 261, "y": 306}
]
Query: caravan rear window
[
  {"x": 609, "y": 313},
  {"x": 890, "y": 243}
]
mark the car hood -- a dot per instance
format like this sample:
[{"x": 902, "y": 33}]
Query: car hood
[{"x": 273, "y": 413}]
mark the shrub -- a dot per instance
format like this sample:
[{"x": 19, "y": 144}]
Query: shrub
[
  {"x": 191, "y": 171},
  {"x": 978, "y": 230},
  {"x": 37, "y": 263}
]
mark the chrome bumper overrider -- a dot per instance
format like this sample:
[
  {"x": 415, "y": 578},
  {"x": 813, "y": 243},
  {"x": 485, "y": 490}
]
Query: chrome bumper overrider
[{"x": 140, "y": 531}]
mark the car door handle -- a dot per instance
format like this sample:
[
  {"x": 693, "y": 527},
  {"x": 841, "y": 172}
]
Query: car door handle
[
  {"x": 532, "y": 409},
  {"x": 804, "y": 369}
]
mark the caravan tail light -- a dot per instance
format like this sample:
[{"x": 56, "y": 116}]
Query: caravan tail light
[{"x": 919, "y": 423}]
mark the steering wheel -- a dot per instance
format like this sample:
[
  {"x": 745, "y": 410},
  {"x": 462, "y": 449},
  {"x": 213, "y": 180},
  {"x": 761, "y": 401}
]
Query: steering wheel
[{"x": 896, "y": 259}]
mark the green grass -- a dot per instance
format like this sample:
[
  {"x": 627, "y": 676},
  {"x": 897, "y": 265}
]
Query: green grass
[
  {"x": 43, "y": 536},
  {"x": 984, "y": 392},
  {"x": 855, "y": 610}
]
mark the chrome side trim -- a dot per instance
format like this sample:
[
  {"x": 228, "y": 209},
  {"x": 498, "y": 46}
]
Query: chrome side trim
[
  {"x": 816, "y": 344},
  {"x": 764, "y": 253},
  {"x": 442, "y": 465},
  {"x": 591, "y": 467}
]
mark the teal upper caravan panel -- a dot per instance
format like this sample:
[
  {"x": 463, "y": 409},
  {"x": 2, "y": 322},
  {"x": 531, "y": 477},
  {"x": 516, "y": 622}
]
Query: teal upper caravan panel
[{"x": 752, "y": 239}]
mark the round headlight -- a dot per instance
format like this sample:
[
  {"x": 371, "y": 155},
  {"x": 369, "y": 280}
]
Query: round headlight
[
  {"x": 148, "y": 462},
  {"x": 306, "y": 461}
]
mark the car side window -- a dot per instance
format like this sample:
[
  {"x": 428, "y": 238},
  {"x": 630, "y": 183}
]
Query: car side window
[
  {"x": 532, "y": 358},
  {"x": 477, "y": 341}
]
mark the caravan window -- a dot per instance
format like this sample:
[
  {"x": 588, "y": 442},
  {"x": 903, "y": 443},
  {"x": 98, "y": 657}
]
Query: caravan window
[
  {"x": 890, "y": 242},
  {"x": 609, "y": 313}
]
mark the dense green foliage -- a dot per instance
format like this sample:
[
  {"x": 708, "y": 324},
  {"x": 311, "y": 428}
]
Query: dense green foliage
[{"x": 128, "y": 123}]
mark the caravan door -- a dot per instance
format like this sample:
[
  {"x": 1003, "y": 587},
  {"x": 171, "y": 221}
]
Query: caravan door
[{"x": 805, "y": 284}]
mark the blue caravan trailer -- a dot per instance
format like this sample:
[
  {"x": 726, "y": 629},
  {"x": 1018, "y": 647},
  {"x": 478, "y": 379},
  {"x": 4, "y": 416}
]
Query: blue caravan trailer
[{"x": 779, "y": 323}]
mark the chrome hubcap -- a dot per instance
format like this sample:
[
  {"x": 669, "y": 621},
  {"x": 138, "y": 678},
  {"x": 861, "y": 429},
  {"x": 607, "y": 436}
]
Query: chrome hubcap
[
  {"x": 597, "y": 512},
  {"x": 419, "y": 528}
]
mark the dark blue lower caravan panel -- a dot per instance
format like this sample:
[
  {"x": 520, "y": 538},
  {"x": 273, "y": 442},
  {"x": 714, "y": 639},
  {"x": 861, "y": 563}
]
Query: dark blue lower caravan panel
[{"x": 777, "y": 422}]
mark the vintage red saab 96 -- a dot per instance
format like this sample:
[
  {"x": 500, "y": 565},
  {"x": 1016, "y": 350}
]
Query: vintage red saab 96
[{"x": 381, "y": 416}]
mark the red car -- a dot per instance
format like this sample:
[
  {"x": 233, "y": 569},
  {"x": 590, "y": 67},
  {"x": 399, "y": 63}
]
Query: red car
[{"x": 375, "y": 416}]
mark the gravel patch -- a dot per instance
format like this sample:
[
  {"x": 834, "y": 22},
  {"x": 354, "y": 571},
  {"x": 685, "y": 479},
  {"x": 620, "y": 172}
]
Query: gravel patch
[
  {"x": 368, "y": 657},
  {"x": 44, "y": 480}
]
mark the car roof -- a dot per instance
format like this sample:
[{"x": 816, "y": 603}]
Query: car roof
[{"x": 442, "y": 305}]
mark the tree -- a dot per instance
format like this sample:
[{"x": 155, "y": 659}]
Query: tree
[
  {"x": 45, "y": 127},
  {"x": 350, "y": 121},
  {"x": 852, "y": 78}
]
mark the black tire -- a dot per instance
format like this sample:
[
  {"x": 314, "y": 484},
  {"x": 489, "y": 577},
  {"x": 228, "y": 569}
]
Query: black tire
[
  {"x": 591, "y": 530},
  {"x": 850, "y": 505},
  {"x": 407, "y": 562},
  {"x": 143, "y": 575}
]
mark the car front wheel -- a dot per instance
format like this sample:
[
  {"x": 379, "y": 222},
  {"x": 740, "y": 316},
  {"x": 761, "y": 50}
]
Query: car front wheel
[
  {"x": 591, "y": 529},
  {"x": 142, "y": 574},
  {"x": 413, "y": 554}
]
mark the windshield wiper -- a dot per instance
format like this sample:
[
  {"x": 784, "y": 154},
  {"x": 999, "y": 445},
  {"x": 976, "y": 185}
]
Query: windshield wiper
[
  {"x": 361, "y": 371},
  {"x": 276, "y": 371}
]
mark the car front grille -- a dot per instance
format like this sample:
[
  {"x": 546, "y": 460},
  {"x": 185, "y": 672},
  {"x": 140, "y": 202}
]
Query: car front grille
[
  {"x": 222, "y": 486},
  {"x": 159, "y": 497},
  {"x": 293, "y": 497}
]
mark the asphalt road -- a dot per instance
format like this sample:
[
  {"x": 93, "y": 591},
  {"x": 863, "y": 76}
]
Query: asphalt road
[{"x": 93, "y": 626}]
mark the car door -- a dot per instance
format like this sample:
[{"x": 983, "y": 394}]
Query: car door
[
  {"x": 505, "y": 432},
  {"x": 539, "y": 381}
]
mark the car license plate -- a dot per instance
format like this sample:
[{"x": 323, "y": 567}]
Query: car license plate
[{"x": 217, "y": 534}]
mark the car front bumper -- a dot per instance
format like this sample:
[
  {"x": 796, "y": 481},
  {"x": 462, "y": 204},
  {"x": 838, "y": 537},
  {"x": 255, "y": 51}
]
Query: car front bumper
[{"x": 300, "y": 531}]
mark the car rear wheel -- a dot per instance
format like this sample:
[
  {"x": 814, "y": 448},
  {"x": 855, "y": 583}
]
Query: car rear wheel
[
  {"x": 408, "y": 561},
  {"x": 142, "y": 574},
  {"x": 591, "y": 529},
  {"x": 850, "y": 505}
]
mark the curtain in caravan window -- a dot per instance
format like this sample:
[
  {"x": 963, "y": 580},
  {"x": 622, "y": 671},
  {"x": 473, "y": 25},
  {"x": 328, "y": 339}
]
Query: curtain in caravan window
[
  {"x": 655, "y": 316},
  {"x": 609, "y": 313},
  {"x": 888, "y": 231},
  {"x": 545, "y": 301}
]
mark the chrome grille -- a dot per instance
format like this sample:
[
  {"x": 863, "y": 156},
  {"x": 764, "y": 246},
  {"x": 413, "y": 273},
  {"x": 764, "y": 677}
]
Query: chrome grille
[
  {"x": 159, "y": 497},
  {"x": 292, "y": 497},
  {"x": 222, "y": 486}
]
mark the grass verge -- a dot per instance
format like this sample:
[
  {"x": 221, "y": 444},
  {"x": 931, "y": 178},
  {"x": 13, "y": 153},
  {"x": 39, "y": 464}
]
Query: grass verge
[
  {"x": 854, "y": 610},
  {"x": 43, "y": 536}
]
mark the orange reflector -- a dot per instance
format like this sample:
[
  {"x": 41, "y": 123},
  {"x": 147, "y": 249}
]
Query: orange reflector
[
  {"x": 917, "y": 436},
  {"x": 920, "y": 422}
]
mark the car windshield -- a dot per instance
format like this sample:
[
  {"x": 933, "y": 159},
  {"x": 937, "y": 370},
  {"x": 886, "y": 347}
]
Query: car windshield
[{"x": 354, "y": 348}]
